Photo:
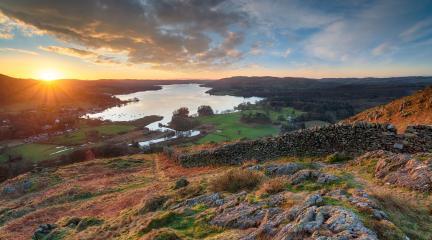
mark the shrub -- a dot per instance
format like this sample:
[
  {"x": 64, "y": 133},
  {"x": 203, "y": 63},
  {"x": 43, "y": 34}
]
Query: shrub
[
  {"x": 337, "y": 158},
  {"x": 181, "y": 183},
  {"x": 235, "y": 180},
  {"x": 272, "y": 186},
  {"x": 182, "y": 123},
  {"x": 205, "y": 110}
]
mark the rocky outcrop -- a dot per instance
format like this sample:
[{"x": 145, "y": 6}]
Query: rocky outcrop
[
  {"x": 413, "y": 171},
  {"x": 308, "y": 174},
  {"x": 311, "y": 220},
  {"x": 351, "y": 139}
]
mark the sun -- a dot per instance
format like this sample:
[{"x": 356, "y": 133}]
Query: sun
[{"x": 48, "y": 75}]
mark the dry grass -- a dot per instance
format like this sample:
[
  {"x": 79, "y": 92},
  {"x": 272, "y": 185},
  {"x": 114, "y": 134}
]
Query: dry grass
[
  {"x": 272, "y": 186},
  {"x": 235, "y": 180}
]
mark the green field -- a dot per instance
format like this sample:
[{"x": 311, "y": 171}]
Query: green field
[
  {"x": 79, "y": 137},
  {"x": 34, "y": 152},
  {"x": 274, "y": 115},
  {"x": 230, "y": 128}
]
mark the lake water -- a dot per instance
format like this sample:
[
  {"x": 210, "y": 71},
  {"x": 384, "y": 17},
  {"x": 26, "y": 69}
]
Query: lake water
[{"x": 164, "y": 101}]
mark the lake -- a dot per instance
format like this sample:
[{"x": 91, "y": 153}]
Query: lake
[{"x": 164, "y": 101}]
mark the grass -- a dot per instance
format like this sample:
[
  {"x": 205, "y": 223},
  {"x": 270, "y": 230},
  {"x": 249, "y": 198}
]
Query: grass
[
  {"x": 186, "y": 224},
  {"x": 79, "y": 137},
  {"x": 230, "y": 128},
  {"x": 35, "y": 152}
]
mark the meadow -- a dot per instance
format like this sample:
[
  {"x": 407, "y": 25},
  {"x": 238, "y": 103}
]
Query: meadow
[{"x": 230, "y": 128}]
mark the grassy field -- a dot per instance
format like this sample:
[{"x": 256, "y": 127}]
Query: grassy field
[
  {"x": 35, "y": 152},
  {"x": 274, "y": 115},
  {"x": 79, "y": 137},
  {"x": 230, "y": 128}
]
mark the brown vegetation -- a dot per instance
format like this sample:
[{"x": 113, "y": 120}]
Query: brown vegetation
[{"x": 235, "y": 180}]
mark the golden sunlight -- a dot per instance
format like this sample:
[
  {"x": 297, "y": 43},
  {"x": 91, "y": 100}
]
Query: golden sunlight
[{"x": 49, "y": 75}]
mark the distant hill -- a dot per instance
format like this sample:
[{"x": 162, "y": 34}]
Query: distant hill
[
  {"x": 410, "y": 110},
  {"x": 72, "y": 92},
  {"x": 326, "y": 99}
]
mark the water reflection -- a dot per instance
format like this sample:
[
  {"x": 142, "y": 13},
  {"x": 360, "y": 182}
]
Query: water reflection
[{"x": 164, "y": 101}]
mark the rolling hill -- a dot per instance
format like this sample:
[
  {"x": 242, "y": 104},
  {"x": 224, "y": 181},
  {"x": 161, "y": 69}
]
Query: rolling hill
[{"x": 409, "y": 110}]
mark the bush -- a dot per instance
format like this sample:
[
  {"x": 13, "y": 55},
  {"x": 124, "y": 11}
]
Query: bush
[
  {"x": 181, "y": 183},
  {"x": 337, "y": 158},
  {"x": 182, "y": 123},
  {"x": 235, "y": 180},
  {"x": 272, "y": 186},
  {"x": 205, "y": 110}
]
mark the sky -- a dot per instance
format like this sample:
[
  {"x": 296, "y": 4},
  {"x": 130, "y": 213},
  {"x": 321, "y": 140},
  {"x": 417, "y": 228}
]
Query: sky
[{"x": 210, "y": 39}]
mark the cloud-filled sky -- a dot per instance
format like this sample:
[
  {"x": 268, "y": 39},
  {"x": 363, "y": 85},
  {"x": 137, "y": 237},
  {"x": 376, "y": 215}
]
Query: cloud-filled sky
[{"x": 202, "y": 39}]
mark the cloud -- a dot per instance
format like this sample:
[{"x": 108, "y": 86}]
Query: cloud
[
  {"x": 157, "y": 32},
  {"x": 383, "y": 48},
  {"x": 419, "y": 30},
  {"x": 80, "y": 53},
  {"x": 8, "y": 26},
  {"x": 17, "y": 50},
  {"x": 353, "y": 36}
]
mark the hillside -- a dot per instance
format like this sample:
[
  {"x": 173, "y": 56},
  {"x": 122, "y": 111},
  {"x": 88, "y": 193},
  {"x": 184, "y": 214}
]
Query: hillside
[
  {"x": 328, "y": 99},
  {"x": 413, "y": 109},
  {"x": 149, "y": 197},
  {"x": 15, "y": 92},
  {"x": 374, "y": 190}
]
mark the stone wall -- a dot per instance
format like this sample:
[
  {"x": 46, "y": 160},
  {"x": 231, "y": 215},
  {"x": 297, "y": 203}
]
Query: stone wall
[{"x": 351, "y": 139}]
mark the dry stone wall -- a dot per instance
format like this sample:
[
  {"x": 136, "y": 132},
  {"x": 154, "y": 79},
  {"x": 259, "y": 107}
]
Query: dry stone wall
[{"x": 352, "y": 139}]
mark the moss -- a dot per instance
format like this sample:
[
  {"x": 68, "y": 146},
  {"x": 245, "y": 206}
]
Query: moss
[{"x": 186, "y": 223}]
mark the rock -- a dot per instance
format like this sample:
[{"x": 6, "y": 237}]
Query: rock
[
  {"x": 43, "y": 230},
  {"x": 413, "y": 171},
  {"x": 9, "y": 189},
  {"x": 307, "y": 174},
  {"x": 379, "y": 214},
  {"x": 242, "y": 216},
  {"x": 325, "y": 178},
  {"x": 313, "y": 200},
  {"x": 286, "y": 169},
  {"x": 398, "y": 146},
  {"x": 326, "y": 222},
  {"x": 255, "y": 168},
  {"x": 211, "y": 200},
  {"x": 181, "y": 183}
]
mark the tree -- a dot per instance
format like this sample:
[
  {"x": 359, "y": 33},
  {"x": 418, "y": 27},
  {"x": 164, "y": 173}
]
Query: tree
[
  {"x": 182, "y": 112},
  {"x": 205, "y": 110},
  {"x": 181, "y": 121}
]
